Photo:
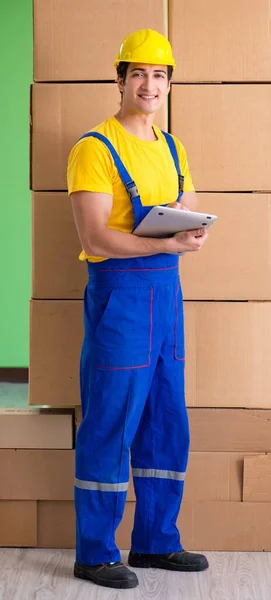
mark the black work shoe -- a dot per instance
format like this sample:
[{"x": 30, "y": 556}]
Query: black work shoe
[
  {"x": 176, "y": 561},
  {"x": 114, "y": 575}
]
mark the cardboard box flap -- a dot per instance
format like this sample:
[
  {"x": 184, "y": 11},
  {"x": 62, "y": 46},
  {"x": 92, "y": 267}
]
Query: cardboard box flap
[{"x": 257, "y": 478}]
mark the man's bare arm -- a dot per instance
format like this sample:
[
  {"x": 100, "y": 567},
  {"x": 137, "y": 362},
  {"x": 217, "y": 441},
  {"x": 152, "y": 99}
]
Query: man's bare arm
[
  {"x": 91, "y": 213},
  {"x": 190, "y": 200}
]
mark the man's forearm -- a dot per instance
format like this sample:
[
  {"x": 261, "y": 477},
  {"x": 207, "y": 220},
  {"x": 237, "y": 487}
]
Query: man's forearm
[
  {"x": 190, "y": 200},
  {"x": 112, "y": 243}
]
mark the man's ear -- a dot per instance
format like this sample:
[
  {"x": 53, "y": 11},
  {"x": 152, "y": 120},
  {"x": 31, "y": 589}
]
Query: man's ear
[{"x": 120, "y": 83}]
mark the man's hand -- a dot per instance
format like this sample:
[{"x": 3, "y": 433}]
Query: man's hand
[
  {"x": 177, "y": 205},
  {"x": 189, "y": 241}
]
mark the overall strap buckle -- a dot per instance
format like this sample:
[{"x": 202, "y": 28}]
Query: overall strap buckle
[
  {"x": 180, "y": 182},
  {"x": 131, "y": 189}
]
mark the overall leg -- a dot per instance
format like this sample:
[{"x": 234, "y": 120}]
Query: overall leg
[
  {"x": 116, "y": 375},
  {"x": 159, "y": 460},
  {"x": 159, "y": 452}
]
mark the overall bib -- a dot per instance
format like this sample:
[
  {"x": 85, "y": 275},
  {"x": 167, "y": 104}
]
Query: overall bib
[{"x": 132, "y": 394}]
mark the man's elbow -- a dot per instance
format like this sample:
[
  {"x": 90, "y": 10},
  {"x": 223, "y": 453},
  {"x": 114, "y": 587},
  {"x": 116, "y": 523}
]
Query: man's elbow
[
  {"x": 95, "y": 246},
  {"x": 92, "y": 249}
]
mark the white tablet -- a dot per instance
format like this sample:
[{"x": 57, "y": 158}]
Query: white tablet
[{"x": 164, "y": 222}]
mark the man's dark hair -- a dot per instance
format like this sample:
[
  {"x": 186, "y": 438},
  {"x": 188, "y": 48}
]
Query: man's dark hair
[{"x": 122, "y": 69}]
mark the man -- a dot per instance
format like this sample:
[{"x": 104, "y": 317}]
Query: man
[{"x": 132, "y": 361}]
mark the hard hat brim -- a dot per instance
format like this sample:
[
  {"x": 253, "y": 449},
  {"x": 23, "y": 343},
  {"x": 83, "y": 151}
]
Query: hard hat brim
[{"x": 167, "y": 64}]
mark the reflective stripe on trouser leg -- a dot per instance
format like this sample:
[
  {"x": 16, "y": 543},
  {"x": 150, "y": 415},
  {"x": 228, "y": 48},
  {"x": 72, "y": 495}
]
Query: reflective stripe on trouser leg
[
  {"x": 96, "y": 486},
  {"x": 159, "y": 474}
]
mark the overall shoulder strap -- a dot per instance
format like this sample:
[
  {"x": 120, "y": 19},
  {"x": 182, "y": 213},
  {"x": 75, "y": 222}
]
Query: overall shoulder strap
[
  {"x": 123, "y": 173},
  {"x": 174, "y": 154}
]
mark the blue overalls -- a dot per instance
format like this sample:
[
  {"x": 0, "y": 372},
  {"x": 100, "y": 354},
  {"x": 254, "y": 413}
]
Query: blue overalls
[{"x": 132, "y": 394}]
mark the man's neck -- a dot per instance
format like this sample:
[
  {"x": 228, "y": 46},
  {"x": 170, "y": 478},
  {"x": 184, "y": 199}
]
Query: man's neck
[{"x": 139, "y": 125}]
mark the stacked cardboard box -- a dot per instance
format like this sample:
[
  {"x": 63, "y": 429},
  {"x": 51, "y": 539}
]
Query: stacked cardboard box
[
  {"x": 36, "y": 456},
  {"x": 219, "y": 108},
  {"x": 224, "y": 128},
  {"x": 227, "y": 499},
  {"x": 73, "y": 90}
]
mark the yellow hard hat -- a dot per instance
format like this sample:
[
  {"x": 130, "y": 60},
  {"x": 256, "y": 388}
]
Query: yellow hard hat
[{"x": 146, "y": 46}]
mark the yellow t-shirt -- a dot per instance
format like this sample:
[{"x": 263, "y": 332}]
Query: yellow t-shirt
[{"x": 91, "y": 168}]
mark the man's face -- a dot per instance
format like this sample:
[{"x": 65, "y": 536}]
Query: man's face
[{"x": 145, "y": 87}]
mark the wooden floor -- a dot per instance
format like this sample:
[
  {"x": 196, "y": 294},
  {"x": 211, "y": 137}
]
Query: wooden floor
[{"x": 35, "y": 574}]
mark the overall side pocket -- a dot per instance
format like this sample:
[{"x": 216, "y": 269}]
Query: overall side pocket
[{"x": 123, "y": 336}]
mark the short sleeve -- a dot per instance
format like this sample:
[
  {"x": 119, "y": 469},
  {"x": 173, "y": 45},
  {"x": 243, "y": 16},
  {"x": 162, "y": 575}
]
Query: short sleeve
[
  {"x": 90, "y": 168},
  {"x": 188, "y": 184}
]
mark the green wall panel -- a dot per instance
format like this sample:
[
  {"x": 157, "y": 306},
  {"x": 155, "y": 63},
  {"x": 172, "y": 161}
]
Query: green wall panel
[{"x": 15, "y": 226}]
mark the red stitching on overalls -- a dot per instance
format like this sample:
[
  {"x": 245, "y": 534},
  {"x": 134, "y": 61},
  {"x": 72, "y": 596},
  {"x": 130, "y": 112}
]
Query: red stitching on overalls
[
  {"x": 132, "y": 270},
  {"x": 150, "y": 345},
  {"x": 175, "y": 328}
]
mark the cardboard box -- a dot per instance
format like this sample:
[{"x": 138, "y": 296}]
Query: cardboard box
[
  {"x": 56, "y": 524},
  {"x": 56, "y": 270},
  {"x": 60, "y": 115},
  {"x": 49, "y": 475},
  {"x": 227, "y": 526},
  {"x": 228, "y": 353},
  {"x": 225, "y": 429},
  {"x": 229, "y": 42},
  {"x": 37, "y": 474},
  {"x": 56, "y": 335},
  {"x": 18, "y": 523},
  {"x": 230, "y": 430},
  {"x": 234, "y": 263},
  {"x": 72, "y": 44},
  {"x": 36, "y": 428},
  {"x": 225, "y": 131},
  {"x": 214, "y": 476},
  {"x": 257, "y": 479},
  {"x": 211, "y": 476}
]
